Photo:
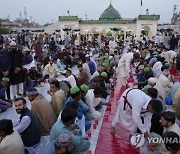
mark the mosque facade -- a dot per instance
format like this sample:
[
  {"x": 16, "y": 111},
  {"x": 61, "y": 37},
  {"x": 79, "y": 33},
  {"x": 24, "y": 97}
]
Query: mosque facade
[{"x": 110, "y": 22}]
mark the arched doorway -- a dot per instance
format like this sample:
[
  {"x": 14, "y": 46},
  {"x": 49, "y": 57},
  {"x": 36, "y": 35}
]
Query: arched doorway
[{"x": 146, "y": 31}]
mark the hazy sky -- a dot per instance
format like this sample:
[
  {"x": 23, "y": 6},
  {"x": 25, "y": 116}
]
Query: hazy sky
[{"x": 43, "y": 11}]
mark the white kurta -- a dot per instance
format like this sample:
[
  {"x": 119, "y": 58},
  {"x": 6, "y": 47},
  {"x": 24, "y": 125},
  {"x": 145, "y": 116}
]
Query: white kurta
[
  {"x": 166, "y": 84},
  {"x": 112, "y": 46},
  {"x": 71, "y": 80},
  {"x": 174, "y": 128},
  {"x": 92, "y": 103},
  {"x": 131, "y": 118},
  {"x": 169, "y": 56},
  {"x": 124, "y": 67}
]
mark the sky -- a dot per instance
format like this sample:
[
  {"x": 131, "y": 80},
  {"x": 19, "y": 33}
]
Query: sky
[{"x": 47, "y": 11}]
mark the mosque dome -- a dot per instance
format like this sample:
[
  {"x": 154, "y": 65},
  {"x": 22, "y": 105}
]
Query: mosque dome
[{"x": 110, "y": 14}]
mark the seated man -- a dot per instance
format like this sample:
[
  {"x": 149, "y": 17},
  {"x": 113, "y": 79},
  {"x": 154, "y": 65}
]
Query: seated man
[
  {"x": 168, "y": 122},
  {"x": 10, "y": 142},
  {"x": 174, "y": 146},
  {"x": 43, "y": 110},
  {"x": 67, "y": 125},
  {"x": 27, "y": 126},
  {"x": 62, "y": 145},
  {"x": 93, "y": 99},
  {"x": 82, "y": 107},
  {"x": 4, "y": 104},
  {"x": 34, "y": 75},
  {"x": 57, "y": 97},
  {"x": 50, "y": 69},
  {"x": 83, "y": 77}
]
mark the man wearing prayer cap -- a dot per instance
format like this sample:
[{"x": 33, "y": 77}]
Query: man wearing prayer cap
[
  {"x": 75, "y": 96},
  {"x": 61, "y": 145},
  {"x": 134, "y": 104},
  {"x": 12, "y": 44},
  {"x": 42, "y": 109},
  {"x": 16, "y": 72}
]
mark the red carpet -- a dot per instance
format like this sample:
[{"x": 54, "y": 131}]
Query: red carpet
[{"x": 118, "y": 144}]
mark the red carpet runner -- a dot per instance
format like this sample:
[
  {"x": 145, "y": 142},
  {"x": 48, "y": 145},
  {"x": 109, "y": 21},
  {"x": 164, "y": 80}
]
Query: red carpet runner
[{"x": 118, "y": 144}]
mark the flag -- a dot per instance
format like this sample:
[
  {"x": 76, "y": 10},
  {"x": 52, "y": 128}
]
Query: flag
[{"x": 141, "y": 2}]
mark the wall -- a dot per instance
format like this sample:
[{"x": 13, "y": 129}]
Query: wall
[{"x": 152, "y": 24}]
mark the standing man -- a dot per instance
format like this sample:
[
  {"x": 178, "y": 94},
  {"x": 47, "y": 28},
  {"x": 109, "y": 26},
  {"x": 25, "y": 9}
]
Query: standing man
[
  {"x": 133, "y": 105},
  {"x": 5, "y": 65},
  {"x": 38, "y": 49},
  {"x": 43, "y": 110},
  {"x": 124, "y": 66},
  {"x": 16, "y": 70},
  {"x": 27, "y": 126}
]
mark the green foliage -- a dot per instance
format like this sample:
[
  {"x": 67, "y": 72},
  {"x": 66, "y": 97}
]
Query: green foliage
[{"x": 4, "y": 30}]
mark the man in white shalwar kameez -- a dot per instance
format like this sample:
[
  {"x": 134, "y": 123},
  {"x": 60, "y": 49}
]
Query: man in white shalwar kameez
[
  {"x": 139, "y": 105},
  {"x": 124, "y": 66},
  {"x": 112, "y": 45}
]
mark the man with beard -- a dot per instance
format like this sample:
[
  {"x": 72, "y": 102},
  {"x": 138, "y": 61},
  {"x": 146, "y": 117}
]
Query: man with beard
[
  {"x": 5, "y": 64},
  {"x": 16, "y": 70},
  {"x": 27, "y": 126}
]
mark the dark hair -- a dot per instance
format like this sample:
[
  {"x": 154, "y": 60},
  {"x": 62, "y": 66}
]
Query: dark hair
[
  {"x": 20, "y": 98},
  {"x": 79, "y": 65},
  {"x": 72, "y": 105},
  {"x": 75, "y": 95},
  {"x": 156, "y": 105},
  {"x": 169, "y": 116},
  {"x": 97, "y": 91},
  {"x": 152, "y": 92},
  {"x": 6, "y": 126},
  {"x": 68, "y": 114},
  {"x": 136, "y": 55},
  {"x": 56, "y": 83},
  {"x": 170, "y": 137}
]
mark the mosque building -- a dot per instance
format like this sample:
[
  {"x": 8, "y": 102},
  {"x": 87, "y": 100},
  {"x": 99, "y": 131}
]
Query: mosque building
[{"x": 110, "y": 22}]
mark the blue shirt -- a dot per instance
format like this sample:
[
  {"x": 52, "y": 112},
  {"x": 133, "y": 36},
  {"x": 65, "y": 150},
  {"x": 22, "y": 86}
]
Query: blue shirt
[
  {"x": 49, "y": 148},
  {"x": 80, "y": 144},
  {"x": 92, "y": 67},
  {"x": 82, "y": 108}
]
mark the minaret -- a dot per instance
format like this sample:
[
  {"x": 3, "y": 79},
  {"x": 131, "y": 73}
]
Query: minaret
[
  {"x": 31, "y": 19},
  {"x": 86, "y": 16},
  {"x": 20, "y": 15},
  {"x": 175, "y": 8},
  {"x": 25, "y": 13}
]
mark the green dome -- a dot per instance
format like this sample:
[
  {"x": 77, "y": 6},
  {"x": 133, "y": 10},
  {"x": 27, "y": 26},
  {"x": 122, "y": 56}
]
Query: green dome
[{"x": 110, "y": 13}]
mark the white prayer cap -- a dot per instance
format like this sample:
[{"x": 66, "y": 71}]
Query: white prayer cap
[
  {"x": 152, "y": 80},
  {"x": 91, "y": 54},
  {"x": 64, "y": 71},
  {"x": 13, "y": 43},
  {"x": 110, "y": 57},
  {"x": 87, "y": 56},
  {"x": 26, "y": 49}
]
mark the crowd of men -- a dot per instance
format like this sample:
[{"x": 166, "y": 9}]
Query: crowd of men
[{"x": 148, "y": 69}]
